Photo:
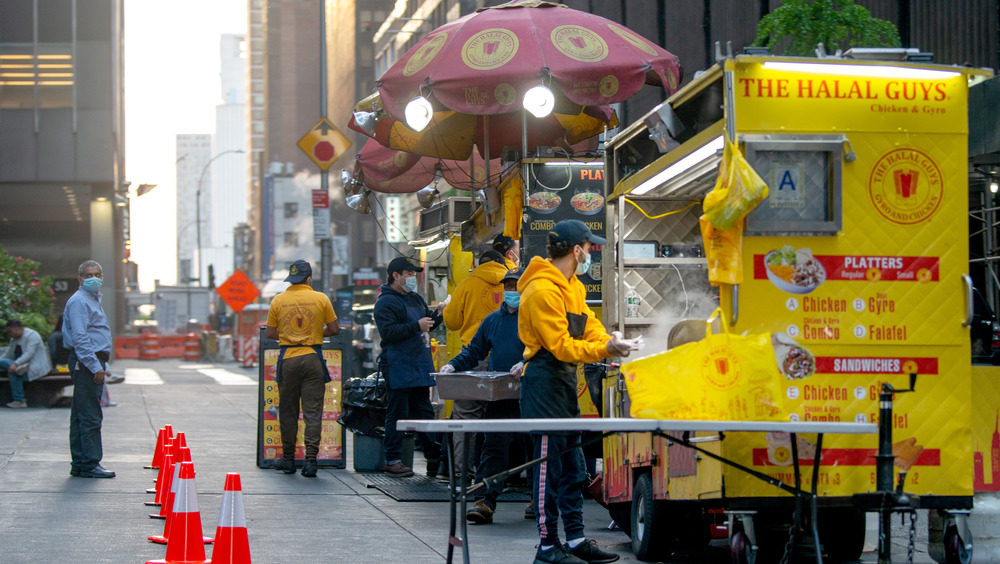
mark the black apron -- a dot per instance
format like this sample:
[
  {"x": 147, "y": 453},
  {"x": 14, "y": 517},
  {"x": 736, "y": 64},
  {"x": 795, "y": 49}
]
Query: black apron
[
  {"x": 318, "y": 349},
  {"x": 548, "y": 387}
]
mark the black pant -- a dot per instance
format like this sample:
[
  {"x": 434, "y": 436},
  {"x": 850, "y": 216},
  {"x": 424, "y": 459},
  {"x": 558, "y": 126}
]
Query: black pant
[
  {"x": 85, "y": 417},
  {"x": 302, "y": 380},
  {"x": 496, "y": 447},
  {"x": 408, "y": 403}
]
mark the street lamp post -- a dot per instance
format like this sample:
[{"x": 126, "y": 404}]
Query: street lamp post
[{"x": 197, "y": 204}]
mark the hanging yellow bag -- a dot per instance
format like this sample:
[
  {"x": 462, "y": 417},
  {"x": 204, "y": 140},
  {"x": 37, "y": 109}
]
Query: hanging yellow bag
[
  {"x": 738, "y": 189},
  {"x": 723, "y": 251},
  {"x": 722, "y": 377}
]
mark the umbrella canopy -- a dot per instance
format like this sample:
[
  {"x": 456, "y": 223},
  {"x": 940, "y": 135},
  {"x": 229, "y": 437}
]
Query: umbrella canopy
[
  {"x": 397, "y": 172},
  {"x": 452, "y": 135},
  {"x": 484, "y": 63}
]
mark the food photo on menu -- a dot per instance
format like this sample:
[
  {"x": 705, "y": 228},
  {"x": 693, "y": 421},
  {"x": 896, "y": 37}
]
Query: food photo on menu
[
  {"x": 544, "y": 202},
  {"x": 793, "y": 270}
]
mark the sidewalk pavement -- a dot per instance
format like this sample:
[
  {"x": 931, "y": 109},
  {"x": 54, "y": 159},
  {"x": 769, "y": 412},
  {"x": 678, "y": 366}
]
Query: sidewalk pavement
[{"x": 49, "y": 517}]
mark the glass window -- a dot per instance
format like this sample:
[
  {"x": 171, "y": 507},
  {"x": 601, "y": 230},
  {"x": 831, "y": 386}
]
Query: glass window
[
  {"x": 21, "y": 72},
  {"x": 55, "y": 22},
  {"x": 16, "y": 21},
  {"x": 291, "y": 210},
  {"x": 291, "y": 239}
]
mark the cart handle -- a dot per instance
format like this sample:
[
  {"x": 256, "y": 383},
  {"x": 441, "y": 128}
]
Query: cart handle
[{"x": 968, "y": 300}]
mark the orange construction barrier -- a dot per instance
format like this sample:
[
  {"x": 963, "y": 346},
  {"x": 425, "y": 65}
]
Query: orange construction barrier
[
  {"x": 185, "y": 545},
  {"x": 171, "y": 346},
  {"x": 192, "y": 347},
  {"x": 231, "y": 543},
  {"x": 165, "y": 432},
  {"x": 249, "y": 352},
  {"x": 126, "y": 347},
  {"x": 149, "y": 346}
]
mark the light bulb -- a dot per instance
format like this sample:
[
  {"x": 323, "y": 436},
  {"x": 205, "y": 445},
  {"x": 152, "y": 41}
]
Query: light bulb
[
  {"x": 539, "y": 100},
  {"x": 418, "y": 113}
]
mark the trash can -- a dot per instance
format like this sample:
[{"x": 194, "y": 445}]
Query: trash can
[{"x": 369, "y": 454}]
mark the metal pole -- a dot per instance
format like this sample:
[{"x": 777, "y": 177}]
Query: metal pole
[
  {"x": 325, "y": 244},
  {"x": 197, "y": 204},
  {"x": 883, "y": 476}
]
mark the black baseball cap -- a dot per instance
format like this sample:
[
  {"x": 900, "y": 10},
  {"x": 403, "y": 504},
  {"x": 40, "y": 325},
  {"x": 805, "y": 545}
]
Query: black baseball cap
[
  {"x": 298, "y": 272},
  {"x": 512, "y": 274},
  {"x": 399, "y": 264},
  {"x": 502, "y": 244},
  {"x": 574, "y": 232}
]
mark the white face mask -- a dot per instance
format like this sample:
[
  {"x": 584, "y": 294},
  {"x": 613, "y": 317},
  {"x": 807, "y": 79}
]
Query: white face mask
[
  {"x": 410, "y": 284},
  {"x": 583, "y": 267}
]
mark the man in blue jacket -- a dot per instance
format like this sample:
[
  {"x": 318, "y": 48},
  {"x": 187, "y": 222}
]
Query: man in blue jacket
[
  {"x": 496, "y": 338},
  {"x": 403, "y": 321}
]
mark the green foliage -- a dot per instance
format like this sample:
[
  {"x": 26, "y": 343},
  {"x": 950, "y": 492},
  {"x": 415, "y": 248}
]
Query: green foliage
[
  {"x": 25, "y": 295},
  {"x": 798, "y": 26}
]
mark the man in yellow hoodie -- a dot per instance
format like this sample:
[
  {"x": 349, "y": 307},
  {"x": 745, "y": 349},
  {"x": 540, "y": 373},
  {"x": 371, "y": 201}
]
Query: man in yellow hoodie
[
  {"x": 473, "y": 299},
  {"x": 560, "y": 331}
]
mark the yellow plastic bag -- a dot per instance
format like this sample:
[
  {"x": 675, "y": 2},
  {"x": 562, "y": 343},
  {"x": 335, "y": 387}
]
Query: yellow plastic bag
[
  {"x": 738, "y": 189},
  {"x": 513, "y": 205},
  {"x": 723, "y": 250},
  {"x": 722, "y": 377}
]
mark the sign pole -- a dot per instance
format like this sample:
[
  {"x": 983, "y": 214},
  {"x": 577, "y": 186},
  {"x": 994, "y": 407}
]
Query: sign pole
[{"x": 325, "y": 261}]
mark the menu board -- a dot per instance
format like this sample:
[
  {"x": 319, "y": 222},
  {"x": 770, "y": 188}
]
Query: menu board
[
  {"x": 559, "y": 191},
  {"x": 331, "y": 447}
]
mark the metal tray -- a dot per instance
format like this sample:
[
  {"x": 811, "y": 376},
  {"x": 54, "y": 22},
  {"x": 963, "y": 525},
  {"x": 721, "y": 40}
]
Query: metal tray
[{"x": 488, "y": 386}]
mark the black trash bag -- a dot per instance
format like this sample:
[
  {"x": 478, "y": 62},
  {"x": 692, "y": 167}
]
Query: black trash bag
[{"x": 363, "y": 406}]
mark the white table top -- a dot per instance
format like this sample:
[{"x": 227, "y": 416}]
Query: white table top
[{"x": 628, "y": 425}]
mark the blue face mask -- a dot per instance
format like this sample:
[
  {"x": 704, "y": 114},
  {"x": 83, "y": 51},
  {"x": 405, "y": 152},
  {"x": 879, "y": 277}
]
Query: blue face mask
[
  {"x": 410, "y": 284},
  {"x": 583, "y": 267},
  {"x": 512, "y": 299},
  {"x": 92, "y": 285}
]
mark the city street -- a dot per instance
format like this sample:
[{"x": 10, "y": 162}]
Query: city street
[{"x": 50, "y": 517}]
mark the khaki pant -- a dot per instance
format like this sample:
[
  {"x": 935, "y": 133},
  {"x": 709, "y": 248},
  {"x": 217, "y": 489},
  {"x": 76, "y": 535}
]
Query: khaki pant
[{"x": 302, "y": 380}]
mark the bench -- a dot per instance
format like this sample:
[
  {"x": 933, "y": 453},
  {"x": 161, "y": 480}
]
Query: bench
[{"x": 43, "y": 392}]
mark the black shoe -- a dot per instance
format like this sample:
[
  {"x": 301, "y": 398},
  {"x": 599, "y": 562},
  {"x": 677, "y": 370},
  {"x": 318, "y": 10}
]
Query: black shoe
[
  {"x": 74, "y": 471},
  {"x": 588, "y": 551},
  {"x": 96, "y": 472},
  {"x": 398, "y": 470},
  {"x": 309, "y": 468},
  {"x": 285, "y": 465},
  {"x": 558, "y": 553},
  {"x": 432, "y": 467},
  {"x": 480, "y": 513}
]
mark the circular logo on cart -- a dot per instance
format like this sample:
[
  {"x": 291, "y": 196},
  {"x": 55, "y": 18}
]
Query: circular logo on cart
[
  {"x": 504, "y": 93},
  {"x": 425, "y": 54},
  {"x": 489, "y": 49},
  {"x": 577, "y": 42},
  {"x": 721, "y": 368},
  {"x": 298, "y": 324},
  {"x": 633, "y": 39},
  {"x": 906, "y": 186},
  {"x": 609, "y": 86}
]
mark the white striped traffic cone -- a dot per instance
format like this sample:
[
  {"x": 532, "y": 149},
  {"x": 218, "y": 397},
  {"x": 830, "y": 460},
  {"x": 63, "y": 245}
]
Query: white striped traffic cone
[
  {"x": 170, "y": 499},
  {"x": 231, "y": 543},
  {"x": 185, "y": 545}
]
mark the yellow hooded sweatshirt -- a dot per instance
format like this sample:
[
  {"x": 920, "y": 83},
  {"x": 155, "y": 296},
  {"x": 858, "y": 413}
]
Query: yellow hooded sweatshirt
[
  {"x": 546, "y": 297},
  {"x": 475, "y": 297}
]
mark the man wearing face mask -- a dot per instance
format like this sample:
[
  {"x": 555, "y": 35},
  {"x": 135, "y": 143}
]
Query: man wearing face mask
[
  {"x": 403, "y": 321},
  {"x": 87, "y": 334},
  {"x": 560, "y": 331},
  {"x": 496, "y": 338},
  {"x": 509, "y": 248}
]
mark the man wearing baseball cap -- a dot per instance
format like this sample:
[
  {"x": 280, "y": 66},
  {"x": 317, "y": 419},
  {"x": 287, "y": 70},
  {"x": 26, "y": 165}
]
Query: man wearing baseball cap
[
  {"x": 496, "y": 339},
  {"x": 559, "y": 331},
  {"x": 403, "y": 319},
  {"x": 298, "y": 319},
  {"x": 509, "y": 248}
]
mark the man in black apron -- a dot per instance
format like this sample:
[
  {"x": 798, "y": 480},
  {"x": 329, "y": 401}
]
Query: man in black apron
[
  {"x": 404, "y": 321},
  {"x": 559, "y": 332}
]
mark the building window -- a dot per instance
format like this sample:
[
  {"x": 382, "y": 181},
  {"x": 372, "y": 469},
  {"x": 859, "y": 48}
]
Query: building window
[
  {"x": 50, "y": 73},
  {"x": 291, "y": 210},
  {"x": 291, "y": 239}
]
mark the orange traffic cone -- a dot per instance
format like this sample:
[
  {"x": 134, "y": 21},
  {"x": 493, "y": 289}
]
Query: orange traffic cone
[
  {"x": 158, "y": 449},
  {"x": 232, "y": 545},
  {"x": 168, "y": 448},
  {"x": 168, "y": 470},
  {"x": 170, "y": 481},
  {"x": 180, "y": 439},
  {"x": 185, "y": 545},
  {"x": 169, "y": 500}
]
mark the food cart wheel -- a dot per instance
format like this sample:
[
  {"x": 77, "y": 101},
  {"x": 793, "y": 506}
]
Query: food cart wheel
[
  {"x": 954, "y": 549},
  {"x": 650, "y": 539},
  {"x": 741, "y": 550},
  {"x": 842, "y": 532}
]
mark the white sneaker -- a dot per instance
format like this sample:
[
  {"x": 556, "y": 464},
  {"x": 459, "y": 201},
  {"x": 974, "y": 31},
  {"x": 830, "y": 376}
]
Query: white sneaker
[{"x": 17, "y": 404}]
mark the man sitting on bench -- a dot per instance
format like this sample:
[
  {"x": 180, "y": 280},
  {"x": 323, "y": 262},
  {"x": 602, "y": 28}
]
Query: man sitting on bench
[{"x": 26, "y": 359}]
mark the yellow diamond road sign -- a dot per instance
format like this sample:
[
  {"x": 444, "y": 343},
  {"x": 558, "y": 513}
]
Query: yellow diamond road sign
[{"x": 323, "y": 143}]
